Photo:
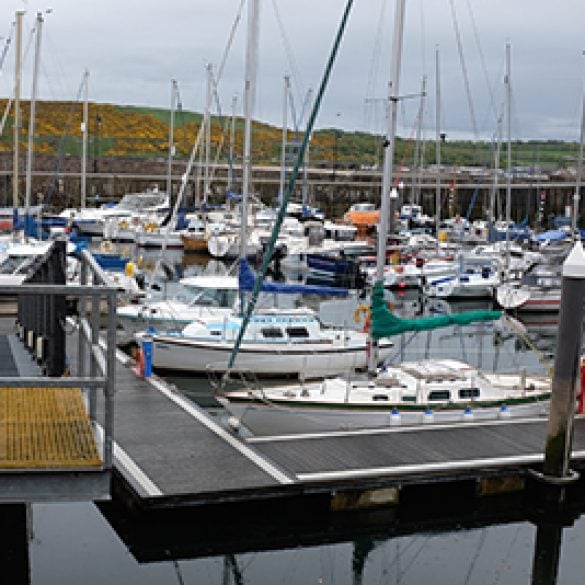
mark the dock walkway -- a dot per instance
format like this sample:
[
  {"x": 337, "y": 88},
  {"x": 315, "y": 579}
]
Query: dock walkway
[{"x": 170, "y": 453}]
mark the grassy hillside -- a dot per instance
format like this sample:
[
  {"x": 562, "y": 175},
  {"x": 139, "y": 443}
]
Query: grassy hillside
[{"x": 128, "y": 131}]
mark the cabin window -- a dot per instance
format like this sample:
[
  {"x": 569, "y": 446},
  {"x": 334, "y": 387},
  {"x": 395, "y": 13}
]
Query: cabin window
[
  {"x": 383, "y": 397},
  {"x": 439, "y": 395},
  {"x": 272, "y": 332},
  {"x": 409, "y": 399},
  {"x": 297, "y": 332},
  {"x": 469, "y": 393}
]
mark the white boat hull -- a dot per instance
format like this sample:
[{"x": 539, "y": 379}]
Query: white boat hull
[
  {"x": 308, "y": 360},
  {"x": 270, "y": 419}
]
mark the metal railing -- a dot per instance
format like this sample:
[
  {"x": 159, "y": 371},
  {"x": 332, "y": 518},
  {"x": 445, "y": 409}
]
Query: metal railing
[{"x": 42, "y": 326}]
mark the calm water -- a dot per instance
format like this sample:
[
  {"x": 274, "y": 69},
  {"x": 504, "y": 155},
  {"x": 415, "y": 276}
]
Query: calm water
[{"x": 75, "y": 543}]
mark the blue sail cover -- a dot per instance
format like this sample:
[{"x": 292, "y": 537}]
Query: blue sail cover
[{"x": 247, "y": 278}]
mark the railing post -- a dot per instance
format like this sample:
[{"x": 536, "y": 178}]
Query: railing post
[
  {"x": 95, "y": 337},
  {"x": 56, "y": 359},
  {"x": 110, "y": 386},
  {"x": 81, "y": 310}
]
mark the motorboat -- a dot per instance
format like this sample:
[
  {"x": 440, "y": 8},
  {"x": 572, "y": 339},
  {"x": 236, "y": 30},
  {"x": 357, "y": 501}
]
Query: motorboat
[
  {"x": 201, "y": 296},
  {"x": 538, "y": 290},
  {"x": 469, "y": 284}
]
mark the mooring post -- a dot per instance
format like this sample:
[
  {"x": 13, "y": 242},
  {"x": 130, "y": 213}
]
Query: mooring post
[{"x": 559, "y": 436}]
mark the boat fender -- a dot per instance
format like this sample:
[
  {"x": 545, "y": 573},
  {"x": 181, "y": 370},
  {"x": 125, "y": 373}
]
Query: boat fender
[
  {"x": 129, "y": 269},
  {"x": 234, "y": 424},
  {"x": 581, "y": 396},
  {"x": 468, "y": 415},
  {"x": 395, "y": 418},
  {"x": 139, "y": 362}
]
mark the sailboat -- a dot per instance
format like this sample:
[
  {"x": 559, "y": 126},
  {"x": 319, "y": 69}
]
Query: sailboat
[
  {"x": 278, "y": 342},
  {"x": 414, "y": 392},
  {"x": 410, "y": 393}
]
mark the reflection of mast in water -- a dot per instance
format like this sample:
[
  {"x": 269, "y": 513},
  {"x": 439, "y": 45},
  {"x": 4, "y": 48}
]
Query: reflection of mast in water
[
  {"x": 230, "y": 567},
  {"x": 361, "y": 549}
]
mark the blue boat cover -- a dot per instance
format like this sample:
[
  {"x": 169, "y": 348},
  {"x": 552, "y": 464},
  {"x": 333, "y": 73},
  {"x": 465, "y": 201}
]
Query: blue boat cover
[
  {"x": 552, "y": 236},
  {"x": 247, "y": 279}
]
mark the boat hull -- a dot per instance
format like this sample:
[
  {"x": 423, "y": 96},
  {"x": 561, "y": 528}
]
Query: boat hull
[
  {"x": 311, "y": 360},
  {"x": 279, "y": 419}
]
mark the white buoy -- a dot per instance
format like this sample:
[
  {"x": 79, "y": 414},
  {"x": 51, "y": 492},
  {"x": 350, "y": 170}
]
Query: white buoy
[
  {"x": 468, "y": 415},
  {"x": 504, "y": 412},
  {"x": 428, "y": 417},
  {"x": 395, "y": 418}
]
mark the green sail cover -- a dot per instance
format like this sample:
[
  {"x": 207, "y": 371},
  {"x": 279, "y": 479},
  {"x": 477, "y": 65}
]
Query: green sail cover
[{"x": 385, "y": 324}]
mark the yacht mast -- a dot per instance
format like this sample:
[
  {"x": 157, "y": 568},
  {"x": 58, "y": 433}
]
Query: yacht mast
[
  {"x": 84, "y": 133},
  {"x": 249, "y": 98},
  {"x": 171, "y": 139},
  {"x": 577, "y": 196},
  {"x": 306, "y": 160},
  {"x": 437, "y": 145},
  {"x": 17, "y": 77},
  {"x": 207, "y": 123},
  {"x": 509, "y": 153},
  {"x": 284, "y": 137},
  {"x": 230, "y": 177},
  {"x": 32, "y": 114},
  {"x": 389, "y": 194}
]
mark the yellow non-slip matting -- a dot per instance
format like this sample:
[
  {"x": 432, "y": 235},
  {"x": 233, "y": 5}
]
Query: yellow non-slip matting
[{"x": 44, "y": 428}]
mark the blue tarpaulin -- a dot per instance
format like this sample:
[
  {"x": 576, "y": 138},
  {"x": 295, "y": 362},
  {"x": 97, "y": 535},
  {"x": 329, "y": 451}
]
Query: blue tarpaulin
[{"x": 247, "y": 279}]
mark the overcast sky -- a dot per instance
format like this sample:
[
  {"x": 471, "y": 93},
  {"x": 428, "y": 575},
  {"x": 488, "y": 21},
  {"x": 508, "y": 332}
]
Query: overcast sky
[{"x": 133, "y": 48}]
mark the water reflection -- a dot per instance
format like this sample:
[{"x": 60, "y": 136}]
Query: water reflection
[{"x": 491, "y": 544}]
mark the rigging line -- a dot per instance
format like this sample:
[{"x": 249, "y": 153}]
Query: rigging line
[
  {"x": 61, "y": 151},
  {"x": 464, "y": 70},
  {"x": 61, "y": 77},
  {"x": 291, "y": 182},
  {"x": 289, "y": 53},
  {"x": 482, "y": 58},
  {"x": 374, "y": 61},
  {"x": 230, "y": 42},
  {"x": 11, "y": 99},
  {"x": 195, "y": 149},
  {"x": 423, "y": 37},
  {"x": 7, "y": 46}
]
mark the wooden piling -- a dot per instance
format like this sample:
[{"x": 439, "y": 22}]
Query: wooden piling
[{"x": 566, "y": 367}]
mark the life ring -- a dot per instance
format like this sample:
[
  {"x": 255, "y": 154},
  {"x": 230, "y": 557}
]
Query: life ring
[
  {"x": 150, "y": 227},
  {"x": 123, "y": 225},
  {"x": 363, "y": 312}
]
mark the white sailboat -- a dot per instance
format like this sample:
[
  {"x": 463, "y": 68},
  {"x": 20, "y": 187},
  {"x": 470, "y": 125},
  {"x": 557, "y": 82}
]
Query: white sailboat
[
  {"x": 412, "y": 393},
  {"x": 417, "y": 392}
]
